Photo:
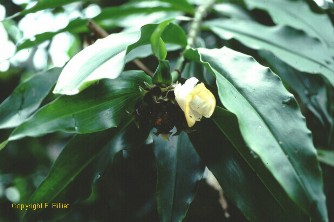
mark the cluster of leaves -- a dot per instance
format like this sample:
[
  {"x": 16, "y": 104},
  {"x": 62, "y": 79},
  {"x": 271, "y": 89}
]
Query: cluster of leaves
[{"x": 257, "y": 144}]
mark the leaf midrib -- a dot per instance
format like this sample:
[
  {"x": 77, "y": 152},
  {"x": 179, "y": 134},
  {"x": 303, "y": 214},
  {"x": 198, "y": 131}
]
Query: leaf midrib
[
  {"x": 271, "y": 133},
  {"x": 273, "y": 44},
  {"x": 66, "y": 114}
]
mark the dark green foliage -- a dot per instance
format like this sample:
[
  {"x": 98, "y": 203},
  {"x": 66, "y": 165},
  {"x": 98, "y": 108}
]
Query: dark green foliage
[{"x": 108, "y": 136}]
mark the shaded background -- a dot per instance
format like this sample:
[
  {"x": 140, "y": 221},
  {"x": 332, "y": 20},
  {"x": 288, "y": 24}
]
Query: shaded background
[{"x": 125, "y": 191}]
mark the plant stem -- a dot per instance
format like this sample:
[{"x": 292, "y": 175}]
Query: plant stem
[{"x": 200, "y": 13}]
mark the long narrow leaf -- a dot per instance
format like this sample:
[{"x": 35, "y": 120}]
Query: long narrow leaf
[
  {"x": 268, "y": 116},
  {"x": 107, "y": 57},
  {"x": 284, "y": 12},
  {"x": 26, "y": 98},
  {"x": 44, "y": 4},
  {"x": 100, "y": 107},
  {"x": 103, "y": 59},
  {"x": 235, "y": 173},
  {"x": 310, "y": 89},
  {"x": 179, "y": 171},
  {"x": 286, "y": 43},
  {"x": 75, "y": 164}
]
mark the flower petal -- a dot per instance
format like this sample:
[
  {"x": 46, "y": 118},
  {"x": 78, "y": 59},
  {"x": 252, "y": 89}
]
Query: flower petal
[
  {"x": 203, "y": 101},
  {"x": 191, "y": 115},
  {"x": 195, "y": 100},
  {"x": 182, "y": 91}
]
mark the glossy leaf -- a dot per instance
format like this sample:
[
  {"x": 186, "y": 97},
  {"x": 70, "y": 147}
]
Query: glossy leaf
[
  {"x": 26, "y": 98},
  {"x": 128, "y": 15},
  {"x": 283, "y": 12},
  {"x": 326, "y": 156},
  {"x": 268, "y": 115},
  {"x": 44, "y": 4},
  {"x": 310, "y": 89},
  {"x": 106, "y": 58},
  {"x": 229, "y": 159},
  {"x": 179, "y": 171},
  {"x": 158, "y": 45},
  {"x": 103, "y": 59},
  {"x": 100, "y": 107},
  {"x": 76, "y": 164},
  {"x": 172, "y": 34},
  {"x": 286, "y": 43}
]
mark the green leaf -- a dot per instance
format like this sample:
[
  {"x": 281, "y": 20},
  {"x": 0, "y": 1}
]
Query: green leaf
[
  {"x": 106, "y": 58},
  {"x": 124, "y": 16},
  {"x": 310, "y": 89},
  {"x": 286, "y": 43},
  {"x": 268, "y": 116},
  {"x": 162, "y": 75},
  {"x": 78, "y": 155},
  {"x": 26, "y": 98},
  {"x": 13, "y": 31},
  {"x": 194, "y": 69},
  {"x": 283, "y": 12},
  {"x": 75, "y": 164},
  {"x": 103, "y": 59},
  {"x": 44, "y": 4},
  {"x": 179, "y": 171},
  {"x": 231, "y": 10},
  {"x": 182, "y": 5},
  {"x": 326, "y": 156},
  {"x": 3, "y": 144},
  {"x": 173, "y": 34},
  {"x": 235, "y": 174},
  {"x": 100, "y": 107},
  {"x": 158, "y": 45}
]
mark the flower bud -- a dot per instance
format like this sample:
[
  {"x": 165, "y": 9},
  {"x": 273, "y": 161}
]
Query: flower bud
[{"x": 195, "y": 100}]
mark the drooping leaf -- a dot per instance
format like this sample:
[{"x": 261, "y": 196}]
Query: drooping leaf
[
  {"x": 70, "y": 178},
  {"x": 106, "y": 58},
  {"x": 240, "y": 183},
  {"x": 157, "y": 44},
  {"x": 100, "y": 107},
  {"x": 179, "y": 171},
  {"x": 172, "y": 34},
  {"x": 298, "y": 14},
  {"x": 286, "y": 43},
  {"x": 268, "y": 115},
  {"x": 44, "y": 4},
  {"x": 326, "y": 156},
  {"x": 26, "y": 98},
  {"x": 128, "y": 15}
]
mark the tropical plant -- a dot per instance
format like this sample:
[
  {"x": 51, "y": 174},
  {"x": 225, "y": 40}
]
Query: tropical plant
[{"x": 243, "y": 88}]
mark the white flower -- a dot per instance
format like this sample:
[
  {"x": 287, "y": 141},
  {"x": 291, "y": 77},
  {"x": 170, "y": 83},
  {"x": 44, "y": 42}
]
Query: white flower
[{"x": 195, "y": 100}]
